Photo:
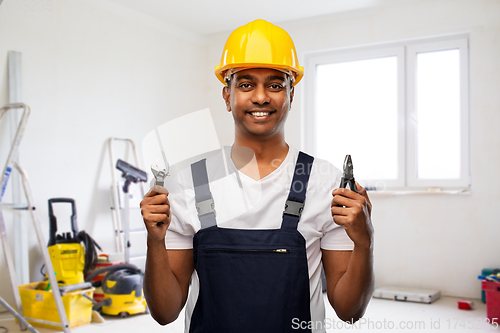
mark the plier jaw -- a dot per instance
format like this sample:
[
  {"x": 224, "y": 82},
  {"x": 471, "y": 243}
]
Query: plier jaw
[{"x": 348, "y": 175}]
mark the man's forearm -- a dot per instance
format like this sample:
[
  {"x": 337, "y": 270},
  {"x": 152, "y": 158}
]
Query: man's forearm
[
  {"x": 354, "y": 290},
  {"x": 161, "y": 288}
]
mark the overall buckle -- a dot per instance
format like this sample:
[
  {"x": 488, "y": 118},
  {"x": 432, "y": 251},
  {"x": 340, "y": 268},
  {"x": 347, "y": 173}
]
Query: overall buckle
[
  {"x": 205, "y": 207},
  {"x": 293, "y": 208}
]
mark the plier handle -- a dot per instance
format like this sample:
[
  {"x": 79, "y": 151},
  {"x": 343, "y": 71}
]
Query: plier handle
[{"x": 348, "y": 175}]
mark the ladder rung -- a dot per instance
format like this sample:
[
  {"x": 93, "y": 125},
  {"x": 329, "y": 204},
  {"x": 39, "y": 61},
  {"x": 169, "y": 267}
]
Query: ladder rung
[
  {"x": 16, "y": 206},
  {"x": 135, "y": 231},
  {"x": 122, "y": 208}
]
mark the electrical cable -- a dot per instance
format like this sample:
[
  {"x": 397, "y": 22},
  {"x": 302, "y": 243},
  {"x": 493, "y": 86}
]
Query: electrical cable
[
  {"x": 91, "y": 256},
  {"x": 5, "y": 328}
]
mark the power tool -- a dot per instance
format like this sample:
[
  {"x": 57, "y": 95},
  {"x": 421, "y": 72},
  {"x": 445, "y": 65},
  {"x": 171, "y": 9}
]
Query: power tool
[
  {"x": 122, "y": 288},
  {"x": 71, "y": 254}
]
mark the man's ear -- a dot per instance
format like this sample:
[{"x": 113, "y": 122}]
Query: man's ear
[
  {"x": 292, "y": 93},
  {"x": 226, "y": 96}
]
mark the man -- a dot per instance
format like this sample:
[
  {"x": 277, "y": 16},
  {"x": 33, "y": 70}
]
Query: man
[{"x": 259, "y": 271}]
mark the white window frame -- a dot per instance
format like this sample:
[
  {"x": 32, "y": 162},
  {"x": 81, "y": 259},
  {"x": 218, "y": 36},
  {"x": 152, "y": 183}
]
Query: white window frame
[{"x": 407, "y": 144}]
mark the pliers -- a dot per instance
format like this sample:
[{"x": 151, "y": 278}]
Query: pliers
[{"x": 348, "y": 175}]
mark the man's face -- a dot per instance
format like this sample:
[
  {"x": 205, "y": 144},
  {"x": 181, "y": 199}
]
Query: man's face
[{"x": 259, "y": 99}]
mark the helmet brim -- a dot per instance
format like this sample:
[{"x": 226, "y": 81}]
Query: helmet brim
[{"x": 298, "y": 72}]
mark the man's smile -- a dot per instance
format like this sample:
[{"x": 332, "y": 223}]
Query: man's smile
[{"x": 262, "y": 114}]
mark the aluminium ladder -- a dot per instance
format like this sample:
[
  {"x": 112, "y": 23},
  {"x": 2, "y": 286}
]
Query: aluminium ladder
[
  {"x": 9, "y": 166},
  {"x": 122, "y": 228}
]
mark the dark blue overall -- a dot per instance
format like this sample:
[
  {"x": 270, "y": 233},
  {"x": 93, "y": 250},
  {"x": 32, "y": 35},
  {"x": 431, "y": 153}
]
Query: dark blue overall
[{"x": 253, "y": 281}]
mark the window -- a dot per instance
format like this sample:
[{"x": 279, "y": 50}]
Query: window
[{"x": 400, "y": 111}]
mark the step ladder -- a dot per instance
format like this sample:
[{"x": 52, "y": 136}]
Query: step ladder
[
  {"x": 121, "y": 223},
  {"x": 10, "y": 165}
]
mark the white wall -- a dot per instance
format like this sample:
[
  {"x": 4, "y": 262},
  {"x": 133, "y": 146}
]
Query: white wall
[
  {"x": 430, "y": 241},
  {"x": 91, "y": 71}
]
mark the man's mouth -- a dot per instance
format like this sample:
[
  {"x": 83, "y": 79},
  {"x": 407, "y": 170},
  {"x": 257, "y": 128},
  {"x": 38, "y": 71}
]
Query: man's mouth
[{"x": 261, "y": 114}]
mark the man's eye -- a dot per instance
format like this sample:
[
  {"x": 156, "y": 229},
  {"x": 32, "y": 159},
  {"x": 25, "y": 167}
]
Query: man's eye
[
  {"x": 276, "y": 86},
  {"x": 245, "y": 85}
]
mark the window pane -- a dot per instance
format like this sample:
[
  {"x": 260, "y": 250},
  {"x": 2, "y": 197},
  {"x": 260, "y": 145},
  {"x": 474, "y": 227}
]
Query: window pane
[
  {"x": 357, "y": 115},
  {"x": 438, "y": 115}
]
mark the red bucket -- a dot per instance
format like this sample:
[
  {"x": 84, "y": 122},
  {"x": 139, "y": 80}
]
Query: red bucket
[{"x": 492, "y": 290}]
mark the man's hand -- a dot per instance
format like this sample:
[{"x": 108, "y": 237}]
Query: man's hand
[
  {"x": 349, "y": 274},
  {"x": 353, "y": 211},
  {"x": 168, "y": 272},
  {"x": 155, "y": 210}
]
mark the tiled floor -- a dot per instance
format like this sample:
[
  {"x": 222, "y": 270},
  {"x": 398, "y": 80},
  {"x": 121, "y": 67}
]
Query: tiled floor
[{"x": 381, "y": 315}]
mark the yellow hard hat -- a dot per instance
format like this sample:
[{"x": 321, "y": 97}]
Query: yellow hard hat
[{"x": 260, "y": 44}]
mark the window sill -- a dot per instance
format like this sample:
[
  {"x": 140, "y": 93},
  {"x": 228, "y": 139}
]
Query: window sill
[{"x": 430, "y": 191}]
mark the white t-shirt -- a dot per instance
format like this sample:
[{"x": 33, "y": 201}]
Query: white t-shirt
[{"x": 244, "y": 203}]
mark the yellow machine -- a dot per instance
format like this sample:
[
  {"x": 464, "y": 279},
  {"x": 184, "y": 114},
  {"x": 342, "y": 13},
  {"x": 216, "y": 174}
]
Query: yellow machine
[
  {"x": 72, "y": 254},
  {"x": 122, "y": 288},
  {"x": 68, "y": 261}
]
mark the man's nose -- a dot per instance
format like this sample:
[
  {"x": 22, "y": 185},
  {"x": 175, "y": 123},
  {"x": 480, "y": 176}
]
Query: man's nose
[{"x": 261, "y": 95}]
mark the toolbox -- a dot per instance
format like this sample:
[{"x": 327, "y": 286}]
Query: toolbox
[
  {"x": 39, "y": 306},
  {"x": 406, "y": 294},
  {"x": 486, "y": 272},
  {"x": 492, "y": 290}
]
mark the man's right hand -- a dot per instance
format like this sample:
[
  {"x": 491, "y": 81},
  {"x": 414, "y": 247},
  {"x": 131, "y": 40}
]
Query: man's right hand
[
  {"x": 168, "y": 272},
  {"x": 155, "y": 209}
]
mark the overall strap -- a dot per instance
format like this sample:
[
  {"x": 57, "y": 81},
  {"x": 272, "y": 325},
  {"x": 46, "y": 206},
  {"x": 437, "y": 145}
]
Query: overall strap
[
  {"x": 297, "y": 195},
  {"x": 203, "y": 197}
]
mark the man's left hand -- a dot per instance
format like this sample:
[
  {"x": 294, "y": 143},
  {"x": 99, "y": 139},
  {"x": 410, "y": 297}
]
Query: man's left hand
[{"x": 353, "y": 211}]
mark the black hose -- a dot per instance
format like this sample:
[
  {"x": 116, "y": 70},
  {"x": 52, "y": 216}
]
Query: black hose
[
  {"x": 112, "y": 268},
  {"x": 91, "y": 256}
]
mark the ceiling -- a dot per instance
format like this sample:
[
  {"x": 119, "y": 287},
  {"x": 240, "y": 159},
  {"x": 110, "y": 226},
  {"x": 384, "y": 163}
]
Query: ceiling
[{"x": 203, "y": 17}]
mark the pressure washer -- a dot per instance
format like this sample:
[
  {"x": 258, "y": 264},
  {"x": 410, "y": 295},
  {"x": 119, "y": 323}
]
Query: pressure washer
[{"x": 71, "y": 254}]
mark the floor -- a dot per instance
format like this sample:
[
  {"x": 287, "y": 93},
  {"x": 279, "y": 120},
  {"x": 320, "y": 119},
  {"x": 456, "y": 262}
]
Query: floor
[{"x": 381, "y": 315}]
